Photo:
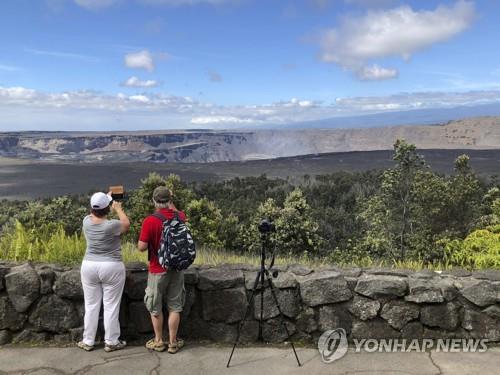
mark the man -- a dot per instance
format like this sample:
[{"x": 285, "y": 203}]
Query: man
[{"x": 162, "y": 283}]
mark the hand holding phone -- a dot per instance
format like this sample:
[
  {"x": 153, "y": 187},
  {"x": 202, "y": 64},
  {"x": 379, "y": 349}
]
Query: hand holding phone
[{"x": 117, "y": 192}]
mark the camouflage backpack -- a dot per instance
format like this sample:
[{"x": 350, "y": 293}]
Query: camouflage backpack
[{"x": 177, "y": 249}]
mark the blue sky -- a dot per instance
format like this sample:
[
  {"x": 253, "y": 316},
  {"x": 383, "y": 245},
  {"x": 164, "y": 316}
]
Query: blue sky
[{"x": 152, "y": 64}]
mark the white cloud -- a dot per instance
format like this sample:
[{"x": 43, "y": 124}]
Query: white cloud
[
  {"x": 95, "y": 4},
  {"x": 398, "y": 32},
  {"x": 376, "y": 73},
  {"x": 136, "y": 82},
  {"x": 139, "y": 98},
  {"x": 206, "y": 120},
  {"x": 140, "y": 60}
]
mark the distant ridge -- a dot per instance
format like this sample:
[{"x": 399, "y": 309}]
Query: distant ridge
[{"x": 205, "y": 146}]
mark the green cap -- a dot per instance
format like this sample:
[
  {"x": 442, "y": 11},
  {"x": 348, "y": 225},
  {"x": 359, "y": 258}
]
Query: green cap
[{"x": 162, "y": 194}]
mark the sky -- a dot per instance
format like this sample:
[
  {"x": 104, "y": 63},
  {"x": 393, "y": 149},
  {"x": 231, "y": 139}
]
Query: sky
[{"x": 162, "y": 64}]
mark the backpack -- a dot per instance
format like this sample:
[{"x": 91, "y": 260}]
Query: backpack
[{"x": 177, "y": 249}]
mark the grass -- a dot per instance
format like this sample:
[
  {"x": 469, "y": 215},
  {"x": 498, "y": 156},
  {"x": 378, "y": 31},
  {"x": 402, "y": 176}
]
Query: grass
[{"x": 51, "y": 244}]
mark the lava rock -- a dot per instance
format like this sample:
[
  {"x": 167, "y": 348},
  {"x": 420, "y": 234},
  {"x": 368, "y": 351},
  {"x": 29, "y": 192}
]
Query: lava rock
[
  {"x": 5, "y": 337},
  {"x": 482, "y": 293},
  {"x": 191, "y": 276},
  {"x": 306, "y": 321},
  {"x": 140, "y": 317},
  {"x": 381, "y": 286},
  {"x": 23, "y": 286},
  {"x": 333, "y": 317},
  {"x": 4, "y": 270},
  {"x": 443, "y": 316},
  {"x": 225, "y": 305},
  {"x": 398, "y": 313},
  {"x": 135, "y": 285},
  {"x": 47, "y": 277},
  {"x": 325, "y": 287},
  {"x": 54, "y": 314},
  {"x": 287, "y": 298},
  {"x": 30, "y": 336},
  {"x": 413, "y": 330},
  {"x": 273, "y": 330},
  {"x": 424, "y": 290},
  {"x": 373, "y": 329},
  {"x": 9, "y": 317},
  {"x": 220, "y": 278},
  {"x": 481, "y": 325},
  {"x": 493, "y": 312},
  {"x": 69, "y": 285},
  {"x": 221, "y": 332},
  {"x": 364, "y": 308}
]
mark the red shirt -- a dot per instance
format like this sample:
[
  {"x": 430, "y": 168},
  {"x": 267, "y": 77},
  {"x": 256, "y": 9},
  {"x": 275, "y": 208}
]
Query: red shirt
[{"x": 151, "y": 234}]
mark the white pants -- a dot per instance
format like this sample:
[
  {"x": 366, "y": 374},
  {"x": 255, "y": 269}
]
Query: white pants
[{"x": 102, "y": 282}]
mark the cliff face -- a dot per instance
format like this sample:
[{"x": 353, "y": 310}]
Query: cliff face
[{"x": 211, "y": 146}]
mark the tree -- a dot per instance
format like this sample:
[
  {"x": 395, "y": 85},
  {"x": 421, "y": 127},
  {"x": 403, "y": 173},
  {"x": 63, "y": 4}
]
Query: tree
[
  {"x": 205, "y": 222},
  {"x": 391, "y": 214},
  {"x": 296, "y": 230},
  {"x": 140, "y": 202}
]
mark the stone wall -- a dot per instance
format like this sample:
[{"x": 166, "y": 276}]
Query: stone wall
[{"x": 41, "y": 302}]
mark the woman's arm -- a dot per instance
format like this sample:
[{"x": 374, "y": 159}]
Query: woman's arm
[{"x": 117, "y": 207}]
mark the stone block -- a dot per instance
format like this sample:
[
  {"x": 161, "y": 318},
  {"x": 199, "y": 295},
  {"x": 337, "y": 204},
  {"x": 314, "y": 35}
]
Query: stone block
[
  {"x": 320, "y": 288},
  {"x": 23, "y": 286},
  {"x": 381, "y": 286}
]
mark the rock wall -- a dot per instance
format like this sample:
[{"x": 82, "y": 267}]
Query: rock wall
[{"x": 45, "y": 302}]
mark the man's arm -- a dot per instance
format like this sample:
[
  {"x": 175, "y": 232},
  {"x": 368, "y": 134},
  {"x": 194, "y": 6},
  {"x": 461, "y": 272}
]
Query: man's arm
[{"x": 142, "y": 246}]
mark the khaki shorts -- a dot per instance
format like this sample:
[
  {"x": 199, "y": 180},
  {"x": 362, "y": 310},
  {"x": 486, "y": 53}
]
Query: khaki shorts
[{"x": 168, "y": 287}]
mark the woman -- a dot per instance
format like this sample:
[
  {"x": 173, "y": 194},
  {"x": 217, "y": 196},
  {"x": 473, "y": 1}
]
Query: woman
[{"x": 103, "y": 271}]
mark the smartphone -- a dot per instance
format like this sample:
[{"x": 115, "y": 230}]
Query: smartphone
[{"x": 117, "y": 192}]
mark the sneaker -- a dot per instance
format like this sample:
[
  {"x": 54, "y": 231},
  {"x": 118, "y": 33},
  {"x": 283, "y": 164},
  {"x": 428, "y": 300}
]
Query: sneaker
[
  {"x": 154, "y": 345},
  {"x": 111, "y": 348},
  {"x": 87, "y": 348},
  {"x": 175, "y": 347}
]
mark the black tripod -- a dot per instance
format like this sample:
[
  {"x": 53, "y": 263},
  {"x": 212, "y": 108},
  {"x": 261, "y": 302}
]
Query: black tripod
[{"x": 262, "y": 275}]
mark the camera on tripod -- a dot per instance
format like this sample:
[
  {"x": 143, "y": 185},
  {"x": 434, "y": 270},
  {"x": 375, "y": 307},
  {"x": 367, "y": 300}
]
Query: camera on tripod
[
  {"x": 266, "y": 273},
  {"x": 266, "y": 226}
]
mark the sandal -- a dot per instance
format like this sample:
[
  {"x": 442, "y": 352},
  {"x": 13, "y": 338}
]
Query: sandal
[
  {"x": 156, "y": 346},
  {"x": 87, "y": 348},
  {"x": 174, "y": 348}
]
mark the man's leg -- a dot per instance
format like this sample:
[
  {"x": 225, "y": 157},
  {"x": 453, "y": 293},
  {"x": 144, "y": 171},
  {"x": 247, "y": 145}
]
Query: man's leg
[
  {"x": 175, "y": 301},
  {"x": 153, "y": 301},
  {"x": 157, "y": 321},
  {"x": 174, "y": 318}
]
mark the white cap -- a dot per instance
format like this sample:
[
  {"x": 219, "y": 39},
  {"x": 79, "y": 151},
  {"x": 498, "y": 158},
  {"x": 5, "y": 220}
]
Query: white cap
[{"x": 100, "y": 201}]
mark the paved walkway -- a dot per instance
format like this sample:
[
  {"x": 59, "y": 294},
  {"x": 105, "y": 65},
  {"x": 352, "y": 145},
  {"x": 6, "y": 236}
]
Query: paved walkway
[{"x": 211, "y": 359}]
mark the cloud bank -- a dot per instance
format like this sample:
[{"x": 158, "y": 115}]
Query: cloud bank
[{"x": 24, "y": 108}]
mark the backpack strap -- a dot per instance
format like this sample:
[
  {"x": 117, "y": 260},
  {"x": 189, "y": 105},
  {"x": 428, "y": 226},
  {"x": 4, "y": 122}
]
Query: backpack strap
[
  {"x": 163, "y": 219},
  {"x": 158, "y": 215}
]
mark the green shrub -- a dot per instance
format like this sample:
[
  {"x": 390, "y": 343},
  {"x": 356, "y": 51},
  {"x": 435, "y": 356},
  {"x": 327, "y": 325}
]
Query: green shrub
[{"x": 480, "y": 249}]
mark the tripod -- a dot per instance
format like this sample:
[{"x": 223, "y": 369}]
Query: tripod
[{"x": 262, "y": 276}]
